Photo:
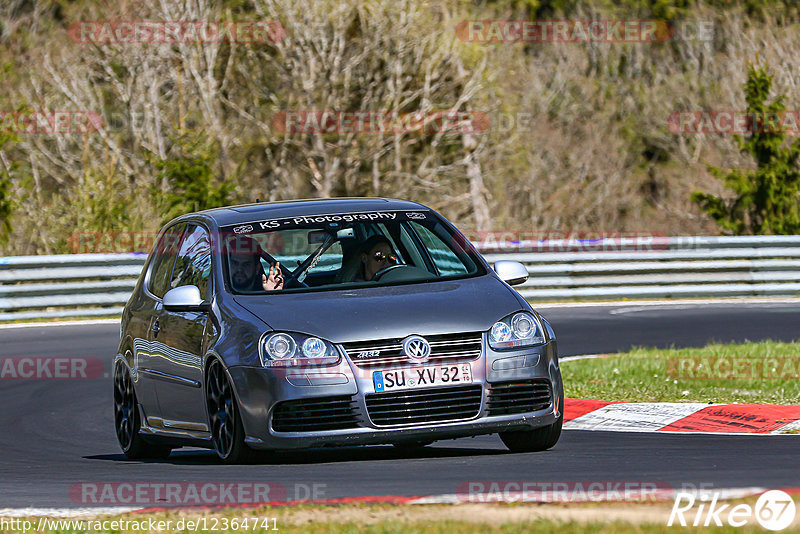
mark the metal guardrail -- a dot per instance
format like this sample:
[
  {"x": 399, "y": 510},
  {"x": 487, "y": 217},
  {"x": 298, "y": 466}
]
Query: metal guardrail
[
  {"x": 668, "y": 267},
  {"x": 67, "y": 285},
  {"x": 99, "y": 284}
]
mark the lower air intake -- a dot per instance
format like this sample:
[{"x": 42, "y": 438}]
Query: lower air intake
[
  {"x": 312, "y": 415},
  {"x": 429, "y": 405},
  {"x": 519, "y": 397}
]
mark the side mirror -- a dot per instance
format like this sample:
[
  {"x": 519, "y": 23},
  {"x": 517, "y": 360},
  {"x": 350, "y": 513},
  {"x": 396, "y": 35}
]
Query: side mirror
[
  {"x": 511, "y": 272},
  {"x": 184, "y": 298}
]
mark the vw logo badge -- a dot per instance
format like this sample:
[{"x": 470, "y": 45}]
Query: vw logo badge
[{"x": 416, "y": 347}]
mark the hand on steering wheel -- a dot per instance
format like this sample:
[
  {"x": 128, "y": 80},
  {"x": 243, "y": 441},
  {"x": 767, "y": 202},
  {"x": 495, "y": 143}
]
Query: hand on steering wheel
[
  {"x": 292, "y": 280},
  {"x": 377, "y": 276}
]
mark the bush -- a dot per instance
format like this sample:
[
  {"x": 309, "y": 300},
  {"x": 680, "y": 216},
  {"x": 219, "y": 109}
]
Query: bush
[
  {"x": 766, "y": 200},
  {"x": 6, "y": 204},
  {"x": 186, "y": 181}
]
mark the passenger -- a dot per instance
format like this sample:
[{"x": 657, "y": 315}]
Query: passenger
[
  {"x": 247, "y": 274},
  {"x": 378, "y": 254}
]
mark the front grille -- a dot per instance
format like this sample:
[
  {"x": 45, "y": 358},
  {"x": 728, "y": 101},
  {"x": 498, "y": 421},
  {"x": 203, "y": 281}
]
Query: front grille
[
  {"x": 311, "y": 415},
  {"x": 444, "y": 347},
  {"x": 519, "y": 397},
  {"x": 428, "y": 405}
]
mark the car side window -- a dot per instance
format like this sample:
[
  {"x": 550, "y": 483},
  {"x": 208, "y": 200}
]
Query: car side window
[
  {"x": 165, "y": 253},
  {"x": 444, "y": 258},
  {"x": 193, "y": 266}
]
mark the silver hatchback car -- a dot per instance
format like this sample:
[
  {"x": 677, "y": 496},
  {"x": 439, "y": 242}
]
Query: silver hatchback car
[{"x": 329, "y": 322}]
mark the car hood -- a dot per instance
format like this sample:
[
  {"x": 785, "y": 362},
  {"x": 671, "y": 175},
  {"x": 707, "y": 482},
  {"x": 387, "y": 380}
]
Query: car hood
[{"x": 468, "y": 305}]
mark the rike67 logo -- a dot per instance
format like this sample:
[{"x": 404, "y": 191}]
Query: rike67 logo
[{"x": 774, "y": 510}]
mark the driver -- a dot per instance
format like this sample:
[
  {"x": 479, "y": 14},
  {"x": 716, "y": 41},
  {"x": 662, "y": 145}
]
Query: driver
[
  {"x": 244, "y": 253},
  {"x": 378, "y": 255}
]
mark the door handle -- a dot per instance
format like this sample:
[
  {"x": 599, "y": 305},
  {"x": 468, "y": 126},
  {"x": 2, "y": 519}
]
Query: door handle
[{"x": 156, "y": 329}]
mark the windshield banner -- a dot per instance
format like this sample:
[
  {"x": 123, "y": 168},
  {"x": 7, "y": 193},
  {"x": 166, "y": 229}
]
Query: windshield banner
[{"x": 329, "y": 218}]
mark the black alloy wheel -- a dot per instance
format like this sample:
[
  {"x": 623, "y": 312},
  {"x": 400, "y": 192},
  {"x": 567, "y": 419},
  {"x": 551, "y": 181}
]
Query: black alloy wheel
[
  {"x": 227, "y": 432},
  {"x": 126, "y": 419}
]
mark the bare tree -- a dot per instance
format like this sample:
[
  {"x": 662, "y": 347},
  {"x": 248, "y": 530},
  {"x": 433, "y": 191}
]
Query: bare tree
[{"x": 352, "y": 56}]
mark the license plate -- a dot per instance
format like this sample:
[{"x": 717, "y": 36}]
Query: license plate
[{"x": 422, "y": 377}]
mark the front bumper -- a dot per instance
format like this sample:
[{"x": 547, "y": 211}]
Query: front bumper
[{"x": 259, "y": 390}]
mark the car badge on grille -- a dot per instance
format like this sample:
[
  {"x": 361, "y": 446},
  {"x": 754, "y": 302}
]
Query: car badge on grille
[{"x": 416, "y": 347}]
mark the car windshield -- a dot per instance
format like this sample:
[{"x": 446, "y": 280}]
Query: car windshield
[{"x": 338, "y": 251}]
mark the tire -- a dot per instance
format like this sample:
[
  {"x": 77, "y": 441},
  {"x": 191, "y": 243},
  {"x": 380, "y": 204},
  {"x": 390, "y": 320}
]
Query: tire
[
  {"x": 227, "y": 432},
  {"x": 127, "y": 422},
  {"x": 538, "y": 439}
]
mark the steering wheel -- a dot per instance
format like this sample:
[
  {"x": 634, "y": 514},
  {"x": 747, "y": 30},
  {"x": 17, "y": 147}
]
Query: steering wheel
[
  {"x": 377, "y": 276},
  {"x": 291, "y": 280},
  {"x": 289, "y": 283}
]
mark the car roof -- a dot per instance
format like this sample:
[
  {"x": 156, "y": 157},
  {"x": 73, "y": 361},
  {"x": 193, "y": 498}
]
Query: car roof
[{"x": 295, "y": 208}]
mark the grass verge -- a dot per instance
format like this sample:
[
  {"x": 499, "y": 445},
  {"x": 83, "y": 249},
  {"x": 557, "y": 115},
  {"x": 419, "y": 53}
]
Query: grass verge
[
  {"x": 568, "y": 518},
  {"x": 765, "y": 372}
]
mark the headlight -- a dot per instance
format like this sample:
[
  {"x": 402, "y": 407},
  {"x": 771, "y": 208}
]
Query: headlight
[
  {"x": 518, "y": 330},
  {"x": 500, "y": 332},
  {"x": 281, "y": 350},
  {"x": 280, "y": 346},
  {"x": 523, "y": 325},
  {"x": 314, "y": 348}
]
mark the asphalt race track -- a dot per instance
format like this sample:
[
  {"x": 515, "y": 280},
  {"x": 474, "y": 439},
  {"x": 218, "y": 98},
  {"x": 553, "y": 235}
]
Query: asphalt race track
[{"x": 58, "y": 433}]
